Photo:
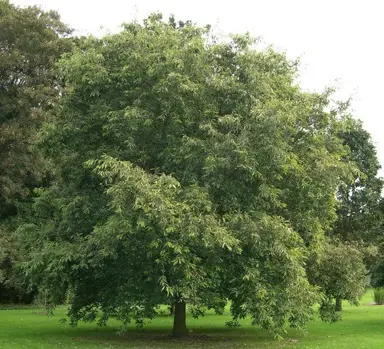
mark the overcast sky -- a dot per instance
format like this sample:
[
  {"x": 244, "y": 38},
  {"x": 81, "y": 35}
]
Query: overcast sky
[{"x": 339, "y": 42}]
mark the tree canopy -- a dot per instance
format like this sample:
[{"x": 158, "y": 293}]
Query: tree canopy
[
  {"x": 342, "y": 275},
  {"x": 359, "y": 210},
  {"x": 359, "y": 216},
  {"x": 187, "y": 169},
  {"x": 31, "y": 42}
]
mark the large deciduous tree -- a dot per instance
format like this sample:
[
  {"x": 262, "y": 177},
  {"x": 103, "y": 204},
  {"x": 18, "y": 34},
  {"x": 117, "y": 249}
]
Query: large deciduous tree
[
  {"x": 31, "y": 41},
  {"x": 189, "y": 171}
]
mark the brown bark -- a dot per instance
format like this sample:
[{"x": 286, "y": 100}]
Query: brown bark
[{"x": 179, "y": 320}]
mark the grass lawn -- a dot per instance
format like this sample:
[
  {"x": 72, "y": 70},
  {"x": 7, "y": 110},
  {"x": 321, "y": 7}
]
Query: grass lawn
[{"x": 362, "y": 327}]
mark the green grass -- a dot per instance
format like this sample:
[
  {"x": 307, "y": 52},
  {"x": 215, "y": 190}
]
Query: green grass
[{"x": 361, "y": 327}]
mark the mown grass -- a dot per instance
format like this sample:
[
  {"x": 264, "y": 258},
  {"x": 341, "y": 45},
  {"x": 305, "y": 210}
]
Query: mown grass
[{"x": 361, "y": 327}]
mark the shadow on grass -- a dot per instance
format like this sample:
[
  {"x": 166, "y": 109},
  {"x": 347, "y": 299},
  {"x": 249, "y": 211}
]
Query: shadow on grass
[
  {"x": 152, "y": 337},
  {"x": 40, "y": 325},
  {"x": 203, "y": 334},
  {"x": 163, "y": 339}
]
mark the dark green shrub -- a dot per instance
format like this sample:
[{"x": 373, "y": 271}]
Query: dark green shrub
[{"x": 378, "y": 295}]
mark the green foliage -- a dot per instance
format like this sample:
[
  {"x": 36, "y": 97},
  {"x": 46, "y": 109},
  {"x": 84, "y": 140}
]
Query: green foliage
[
  {"x": 31, "y": 41},
  {"x": 186, "y": 169},
  {"x": 359, "y": 212},
  {"x": 341, "y": 274},
  {"x": 377, "y": 264},
  {"x": 378, "y": 295}
]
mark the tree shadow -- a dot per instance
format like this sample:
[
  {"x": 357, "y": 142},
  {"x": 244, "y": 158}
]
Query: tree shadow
[{"x": 163, "y": 339}]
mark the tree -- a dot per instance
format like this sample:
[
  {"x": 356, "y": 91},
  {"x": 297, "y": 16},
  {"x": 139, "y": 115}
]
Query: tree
[
  {"x": 341, "y": 274},
  {"x": 187, "y": 171},
  {"x": 359, "y": 215},
  {"x": 359, "y": 209},
  {"x": 31, "y": 41}
]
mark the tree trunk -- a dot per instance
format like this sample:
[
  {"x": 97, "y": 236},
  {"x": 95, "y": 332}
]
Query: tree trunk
[
  {"x": 338, "y": 306},
  {"x": 179, "y": 320}
]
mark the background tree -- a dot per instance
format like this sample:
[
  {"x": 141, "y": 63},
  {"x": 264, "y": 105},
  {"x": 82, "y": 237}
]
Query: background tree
[
  {"x": 31, "y": 41},
  {"x": 359, "y": 209},
  {"x": 187, "y": 170},
  {"x": 359, "y": 216},
  {"x": 341, "y": 274}
]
